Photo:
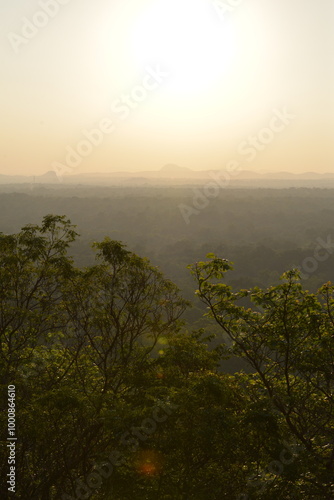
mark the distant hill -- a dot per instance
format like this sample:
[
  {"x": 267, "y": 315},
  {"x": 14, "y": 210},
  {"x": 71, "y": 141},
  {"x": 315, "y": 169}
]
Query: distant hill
[
  {"x": 172, "y": 171},
  {"x": 49, "y": 177},
  {"x": 175, "y": 175}
]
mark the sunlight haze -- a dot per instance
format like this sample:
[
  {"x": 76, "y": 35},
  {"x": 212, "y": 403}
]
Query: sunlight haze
[{"x": 152, "y": 82}]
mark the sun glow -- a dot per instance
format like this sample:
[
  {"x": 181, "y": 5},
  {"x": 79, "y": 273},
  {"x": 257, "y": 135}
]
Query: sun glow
[{"x": 188, "y": 39}]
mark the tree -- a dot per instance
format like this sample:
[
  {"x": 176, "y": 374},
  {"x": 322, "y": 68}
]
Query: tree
[
  {"x": 70, "y": 341},
  {"x": 204, "y": 446},
  {"x": 288, "y": 339},
  {"x": 33, "y": 264},
  {"x": 118, "y": 310}
]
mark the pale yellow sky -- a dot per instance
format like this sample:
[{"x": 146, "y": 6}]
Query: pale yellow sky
[{"x": 137, "y": 84}]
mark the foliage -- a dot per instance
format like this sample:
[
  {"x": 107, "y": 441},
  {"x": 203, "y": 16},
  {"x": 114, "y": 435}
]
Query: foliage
[
  {"x": 288, "y": 339},
  {"x": 118, "y": 399},
  {"x": 70, "y": 340}
]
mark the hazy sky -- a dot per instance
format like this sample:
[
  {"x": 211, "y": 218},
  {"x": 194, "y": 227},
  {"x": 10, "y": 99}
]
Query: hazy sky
[{"x": 197, "y": 83}]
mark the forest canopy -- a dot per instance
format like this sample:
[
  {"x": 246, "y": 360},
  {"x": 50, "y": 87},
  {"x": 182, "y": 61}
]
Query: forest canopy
[{"x": 119, "y": 397}]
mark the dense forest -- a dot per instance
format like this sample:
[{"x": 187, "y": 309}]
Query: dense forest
[
  {"x": 263, "y": 231},
  {"x": 162, "y": 360}
]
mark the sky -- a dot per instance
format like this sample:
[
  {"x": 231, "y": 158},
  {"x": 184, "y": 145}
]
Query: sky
[{"x": 133, "y": 85}]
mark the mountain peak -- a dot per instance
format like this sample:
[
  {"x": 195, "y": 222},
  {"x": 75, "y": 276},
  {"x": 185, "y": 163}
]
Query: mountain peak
[{"x": 172, "y": 169}]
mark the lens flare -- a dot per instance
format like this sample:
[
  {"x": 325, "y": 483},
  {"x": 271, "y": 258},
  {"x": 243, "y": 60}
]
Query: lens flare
[{"x": 149, "y": 463}]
